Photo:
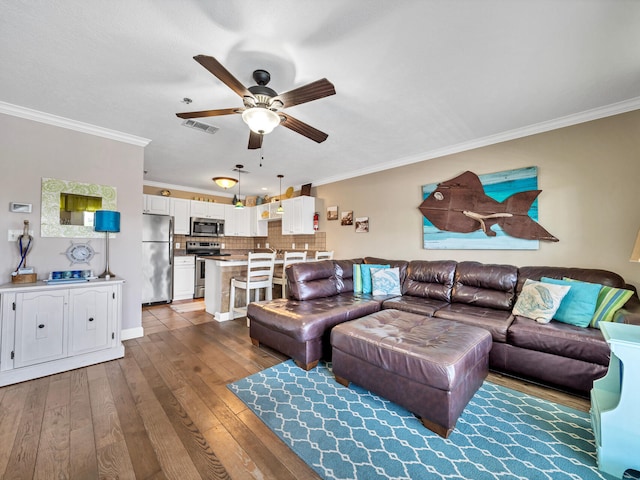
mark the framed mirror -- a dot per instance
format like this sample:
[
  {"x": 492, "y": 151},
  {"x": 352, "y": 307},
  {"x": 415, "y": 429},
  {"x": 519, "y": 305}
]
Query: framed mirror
[{"x": 68, "y": 207}]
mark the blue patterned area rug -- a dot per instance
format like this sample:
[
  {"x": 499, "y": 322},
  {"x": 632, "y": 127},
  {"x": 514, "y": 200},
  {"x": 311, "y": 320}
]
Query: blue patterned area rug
[{"x": 350, "y": 433}]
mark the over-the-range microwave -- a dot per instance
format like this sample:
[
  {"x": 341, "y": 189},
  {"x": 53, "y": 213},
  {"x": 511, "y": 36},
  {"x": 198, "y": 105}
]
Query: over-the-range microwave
[{"x": 206, "y": 227}]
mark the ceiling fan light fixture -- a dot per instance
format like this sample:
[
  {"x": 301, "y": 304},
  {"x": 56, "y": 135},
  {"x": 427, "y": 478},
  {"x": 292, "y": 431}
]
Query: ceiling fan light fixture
[
  {"x": 261, "y": 120},
  {"x": 225, "y": 182}
]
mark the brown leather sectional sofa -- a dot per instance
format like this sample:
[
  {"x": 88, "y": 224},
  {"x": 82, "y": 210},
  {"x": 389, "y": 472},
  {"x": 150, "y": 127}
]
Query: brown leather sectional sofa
[{"x": 555, "y": 354}]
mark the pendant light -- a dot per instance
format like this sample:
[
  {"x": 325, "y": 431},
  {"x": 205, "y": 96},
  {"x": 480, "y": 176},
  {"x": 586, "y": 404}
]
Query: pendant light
[
  {"x": 280, "y": 210},
  {"x": 239, "y": 202}
]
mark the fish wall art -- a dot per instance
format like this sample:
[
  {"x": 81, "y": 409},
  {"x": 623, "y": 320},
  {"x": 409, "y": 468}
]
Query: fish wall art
[{"x": 495, "y": 211}]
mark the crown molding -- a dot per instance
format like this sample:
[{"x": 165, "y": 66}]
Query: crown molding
[
  {"x": 151, "y": 183},
  {"x": 542, "y": 127},
  {"x": 42, "y": 117}
]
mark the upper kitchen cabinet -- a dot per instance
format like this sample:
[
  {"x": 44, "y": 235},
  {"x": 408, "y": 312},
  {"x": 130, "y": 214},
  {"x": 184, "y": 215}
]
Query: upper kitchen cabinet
[
  {"x": 180, "y": 210},
  {"x": 156, "y": 204},
  {"x": 297, "y": 218},
  {"x": 207, "y": 209},
  {"x": 237, "y": 221}
]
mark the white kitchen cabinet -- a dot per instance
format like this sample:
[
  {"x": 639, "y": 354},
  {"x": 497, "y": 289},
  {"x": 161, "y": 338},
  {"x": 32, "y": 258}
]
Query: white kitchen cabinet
[
  {"x": 207, "y": 209},
  {"x": 47, "y": 329},
  {"x": 257, "y": 227},
  {"x": 297, "y": 218},
  {"x": 180, "y": 210},
  {"x": 156, "y": 204},
  {"x": 237, "y": 221},
  {"x": 184, "y": 277}
]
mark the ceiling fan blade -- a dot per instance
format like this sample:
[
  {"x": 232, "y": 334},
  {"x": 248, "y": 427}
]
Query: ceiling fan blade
[
  {"x": 307, "y": 93},
  {"x": 216, "y": 68},
  {"x": 209, "y": 113},
  {"x": 302, "y": 128},
  {"x": 255, "y": 140}
]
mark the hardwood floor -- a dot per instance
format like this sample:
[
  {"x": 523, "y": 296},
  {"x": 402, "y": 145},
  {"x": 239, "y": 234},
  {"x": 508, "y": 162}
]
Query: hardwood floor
[{"x": 161, "y": 412}]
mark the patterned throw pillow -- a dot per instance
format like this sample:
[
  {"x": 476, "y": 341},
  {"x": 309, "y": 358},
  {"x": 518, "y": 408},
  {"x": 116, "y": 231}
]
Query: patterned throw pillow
[
  {"x": 385, "y": 281},
  {"x": 366, "y": 275},
  {"x": 610, "y": 300},
  {"x": 578, "y": 306},
  {"x": 357, "y": 278},
  {"x": 539, "y": 301}
]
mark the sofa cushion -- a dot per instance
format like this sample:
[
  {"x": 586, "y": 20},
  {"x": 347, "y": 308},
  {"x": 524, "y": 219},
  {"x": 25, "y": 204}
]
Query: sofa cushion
[
  {"x": 344, "y": 274},
  {"x": 539, "y": 301},
  {"x": 309, "y": 280},
  {"x": 419, "y": 305},
  {"x": 485, "y": 285},
  {"x": 603, "y": 277},
  {"x": 430, "y": 279},
  {"x": 385, "y": 281},
  {"x": 496, "y": 321},
  {"x": 562, "y": 339},
  {"x": 401, "y": 264},
  {"x": 309, "y": 319},
  {"x": 579, "y": 304}
]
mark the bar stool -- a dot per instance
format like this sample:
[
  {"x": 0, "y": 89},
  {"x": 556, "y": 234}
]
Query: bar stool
[
  {"x": 324, "y": 255},
  {"x": 259, "y": 275},
  {"x": 289, "y": 258}
]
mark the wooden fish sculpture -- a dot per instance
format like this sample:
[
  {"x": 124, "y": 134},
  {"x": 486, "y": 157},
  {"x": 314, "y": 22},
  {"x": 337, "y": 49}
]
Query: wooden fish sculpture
[{"x": 461, "y": 205}]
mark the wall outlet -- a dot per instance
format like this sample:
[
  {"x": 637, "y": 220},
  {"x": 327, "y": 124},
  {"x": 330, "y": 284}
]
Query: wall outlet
[
  {"x": 13, "y": 235},
  {"x": 293, "y": 245},
  {"x": 222, "y": 246},
  {"x": 258, "y": 245},
  {"x": 266, "y": 245},
  {"x": 306, "y": 246},
  {"x": 177, "y": 244}
]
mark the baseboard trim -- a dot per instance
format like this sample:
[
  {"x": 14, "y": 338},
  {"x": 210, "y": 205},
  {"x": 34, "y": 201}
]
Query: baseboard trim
[{"x": 130, "y": 333}]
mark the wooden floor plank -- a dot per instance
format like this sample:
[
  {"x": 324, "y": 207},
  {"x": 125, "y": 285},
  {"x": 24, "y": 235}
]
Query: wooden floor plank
[
  {"x": 143, "y": 458},
  {"x": 171, "y": 453},
  {"x": 22, "y": 459},
  {"x": 82, "y": 447},
  {"x": 11, "y": 408},
  {"x": 53, "y": 450}
]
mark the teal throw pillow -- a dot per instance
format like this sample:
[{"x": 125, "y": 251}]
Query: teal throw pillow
[
  {"x": 579, "y": 304},
  {"x": 385, "y": 281},
  {"x": 610, "y": 300},
  {"x": 357, "y": 278},
  {"x": 539, "y": 301},
  {"x": 366, "y": 276}
]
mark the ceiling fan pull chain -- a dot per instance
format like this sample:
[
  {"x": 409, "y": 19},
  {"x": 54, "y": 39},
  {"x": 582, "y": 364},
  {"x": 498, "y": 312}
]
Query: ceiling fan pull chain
[{"x": 261, "y": 154}]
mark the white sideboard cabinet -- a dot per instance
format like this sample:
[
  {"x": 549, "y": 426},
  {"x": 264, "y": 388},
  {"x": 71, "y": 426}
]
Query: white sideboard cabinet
[{"x": 49, "y": 329}]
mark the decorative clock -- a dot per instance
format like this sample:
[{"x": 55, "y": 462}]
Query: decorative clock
[{"x": 80, "y": 253}]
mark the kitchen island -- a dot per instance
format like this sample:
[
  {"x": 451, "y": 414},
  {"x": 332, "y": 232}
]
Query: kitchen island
[{"x": 217, "y": 283}]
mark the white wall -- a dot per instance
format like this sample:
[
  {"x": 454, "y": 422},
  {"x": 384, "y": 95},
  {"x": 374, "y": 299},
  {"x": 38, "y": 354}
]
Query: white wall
[
  {"x": 589, "y": 175},
  {"x": 31, "y": 150}
]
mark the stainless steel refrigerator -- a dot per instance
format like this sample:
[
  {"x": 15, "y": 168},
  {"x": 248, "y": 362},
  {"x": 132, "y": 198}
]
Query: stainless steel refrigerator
[{"x": 157, "y": 258}]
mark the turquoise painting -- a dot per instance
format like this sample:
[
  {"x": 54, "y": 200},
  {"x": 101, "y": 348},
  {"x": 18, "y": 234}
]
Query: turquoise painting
[{"x": 499, "y": 187}]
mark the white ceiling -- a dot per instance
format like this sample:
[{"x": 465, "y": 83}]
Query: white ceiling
[{"x": 414, "y": 78}]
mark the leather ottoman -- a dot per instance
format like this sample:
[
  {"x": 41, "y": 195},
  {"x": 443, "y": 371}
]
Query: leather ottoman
[{"x": 430, "y": 366}]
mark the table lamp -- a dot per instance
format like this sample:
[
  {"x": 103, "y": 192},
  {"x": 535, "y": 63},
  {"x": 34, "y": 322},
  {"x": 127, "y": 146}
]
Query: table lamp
[{"x": 107, "y": 221}]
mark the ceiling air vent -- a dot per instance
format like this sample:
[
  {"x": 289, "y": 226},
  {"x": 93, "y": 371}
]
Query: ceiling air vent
[{"x": 203, "y": 127}]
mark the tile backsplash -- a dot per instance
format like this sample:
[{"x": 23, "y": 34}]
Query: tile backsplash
[{"x": 275, "y": 239}]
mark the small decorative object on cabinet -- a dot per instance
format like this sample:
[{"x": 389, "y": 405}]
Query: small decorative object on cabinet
[
  {"x": 614, "y": 414},
  {"x": 51, "y": 328}
]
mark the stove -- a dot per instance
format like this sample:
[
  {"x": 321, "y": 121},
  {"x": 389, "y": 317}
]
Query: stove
[{"x": 201, "y": 249}]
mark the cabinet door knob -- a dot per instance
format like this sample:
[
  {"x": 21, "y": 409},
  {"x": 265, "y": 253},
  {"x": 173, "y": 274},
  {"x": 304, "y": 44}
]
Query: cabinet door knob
[
  {"x": 91, "y": 319},
  {"x": 41, "y": 325}
]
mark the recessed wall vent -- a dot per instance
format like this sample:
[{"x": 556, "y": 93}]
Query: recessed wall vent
[{"x": 200, "y": 126}]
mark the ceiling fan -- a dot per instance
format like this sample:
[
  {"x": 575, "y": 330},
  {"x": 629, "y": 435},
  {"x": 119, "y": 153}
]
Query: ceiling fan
[{"x": 262, "y": 105}]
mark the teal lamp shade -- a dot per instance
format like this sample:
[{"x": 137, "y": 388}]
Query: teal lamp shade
[{"x": 106, "y": 221}]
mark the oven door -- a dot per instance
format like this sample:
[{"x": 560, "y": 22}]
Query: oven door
[{"x": 199, "y": 280}]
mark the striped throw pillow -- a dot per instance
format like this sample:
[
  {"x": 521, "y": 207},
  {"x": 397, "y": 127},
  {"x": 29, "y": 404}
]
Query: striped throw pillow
[
  {"x": 357, "y": 278},
  {"x": 610, "y": 300}
]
